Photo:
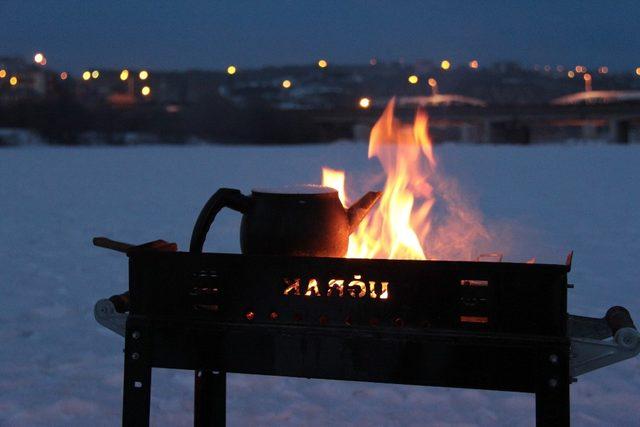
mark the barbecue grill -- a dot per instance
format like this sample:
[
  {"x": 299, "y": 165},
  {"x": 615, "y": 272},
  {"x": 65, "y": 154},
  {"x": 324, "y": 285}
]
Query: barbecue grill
[{"x": 485, "y": 325}]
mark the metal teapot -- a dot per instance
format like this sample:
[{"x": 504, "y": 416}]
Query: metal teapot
[{"x": 307, "y": 220}]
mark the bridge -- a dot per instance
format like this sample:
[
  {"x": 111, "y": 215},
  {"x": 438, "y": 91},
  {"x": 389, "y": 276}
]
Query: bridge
[{"x": 475, "y": 121}]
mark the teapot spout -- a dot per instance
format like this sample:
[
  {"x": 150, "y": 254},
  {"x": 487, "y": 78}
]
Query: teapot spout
[{"x": 361, "y": 208}]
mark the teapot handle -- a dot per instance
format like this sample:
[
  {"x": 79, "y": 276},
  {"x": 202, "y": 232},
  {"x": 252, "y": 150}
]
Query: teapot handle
[{"x": 224, "y": 197}]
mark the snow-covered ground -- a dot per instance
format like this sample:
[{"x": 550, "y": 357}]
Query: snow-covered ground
[{"x": 58, "y": 367}]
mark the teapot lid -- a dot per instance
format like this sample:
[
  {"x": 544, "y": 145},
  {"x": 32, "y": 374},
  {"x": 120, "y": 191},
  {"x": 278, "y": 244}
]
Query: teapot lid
[{"x": 297, "y": 189}]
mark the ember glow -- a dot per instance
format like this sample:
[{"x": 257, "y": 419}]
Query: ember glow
[{"x": 421, "y": 214}]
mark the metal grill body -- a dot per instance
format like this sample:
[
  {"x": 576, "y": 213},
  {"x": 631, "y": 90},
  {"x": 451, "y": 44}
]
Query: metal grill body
[{"x": 495, "y": 326}]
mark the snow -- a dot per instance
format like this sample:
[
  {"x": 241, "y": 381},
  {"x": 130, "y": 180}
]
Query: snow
[{"x": 59, "y": 367}]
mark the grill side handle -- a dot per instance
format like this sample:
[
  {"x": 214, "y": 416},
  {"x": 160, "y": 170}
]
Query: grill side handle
[
  {"x": 589, "y": 348},
  {"x": 617, "y": 318},
  {"x": 112, "y": 312}
]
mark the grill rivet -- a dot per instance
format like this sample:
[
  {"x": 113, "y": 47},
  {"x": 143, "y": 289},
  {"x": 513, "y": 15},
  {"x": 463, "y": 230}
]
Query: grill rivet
[
  {"x": 135, "y": 356},
  {"x": 553, "y": 382},
  {"x": 553, "y": 358},
  {"x": 135, "y": 335}
]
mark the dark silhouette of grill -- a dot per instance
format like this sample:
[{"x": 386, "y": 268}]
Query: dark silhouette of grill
[{"x": 484, "y": 325}]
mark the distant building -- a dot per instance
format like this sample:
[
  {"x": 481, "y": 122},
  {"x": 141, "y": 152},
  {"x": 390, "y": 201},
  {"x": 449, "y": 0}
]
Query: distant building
[{"x": 20, "y": 79}]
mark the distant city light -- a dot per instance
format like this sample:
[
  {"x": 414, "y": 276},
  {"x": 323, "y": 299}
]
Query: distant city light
[
  {"x": 286, "y": 84},
  {"x": 587, "y": 82},
  {"x": 39, "y": 59},
  {"x": 559, "y": 68},
  {"x": 13, "y": 81},
  {"x": 638, "y": 71},
  {"x": 231, "y": 70},
  {"x": 603, "y": 70},
  {"x": 433, "y": 83},
  {"x": 571, "y": 74},
  {"x": 581, "y": 69},
  {"x": 373, "y": 61},
  {"x": 95, "y": 74},
  {"x": 364, "y": 103},
  {"x": 445, "y": 64},
  {"x": 323, "y": 63},
  {"x": 124, "y": 75},
  {"x": 547, "y": 68},
  {"x": 86, "y": 75},
  {"x": 3, "y": 73},
  {"x": 143, "y": 75},
  {"x": 413, "y": 79},
  {"x": 145, "y": 91},
  {"x": 474, "y": 64},
  {"x": 64, "y": 75}
]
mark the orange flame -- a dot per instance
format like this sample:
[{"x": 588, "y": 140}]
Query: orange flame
[{"x": 403, "y": 225}]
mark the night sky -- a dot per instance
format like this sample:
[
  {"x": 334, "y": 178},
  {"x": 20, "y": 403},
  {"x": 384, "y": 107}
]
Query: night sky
[{"x": 76, "y": 35}]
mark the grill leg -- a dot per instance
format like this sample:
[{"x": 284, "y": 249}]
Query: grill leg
[
  {"x": 137, "y": 374},
  {"x": 552, "y": 406},
  {"x": 210, "y": 399}
]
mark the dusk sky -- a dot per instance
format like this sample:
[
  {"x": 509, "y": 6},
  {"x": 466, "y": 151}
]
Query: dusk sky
[{"x": 205, "y": 34}]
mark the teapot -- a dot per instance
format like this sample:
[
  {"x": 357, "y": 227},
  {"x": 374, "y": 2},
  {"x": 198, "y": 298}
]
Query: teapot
[{"x": 306, "y": 220}]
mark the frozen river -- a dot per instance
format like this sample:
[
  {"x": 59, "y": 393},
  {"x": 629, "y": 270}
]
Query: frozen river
[{"x": 59, "y": 367}]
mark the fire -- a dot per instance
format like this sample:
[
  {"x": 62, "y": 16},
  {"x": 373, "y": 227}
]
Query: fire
[
  {"x": 404, "y": 225},
  {"x": 335, "y": 179}
]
